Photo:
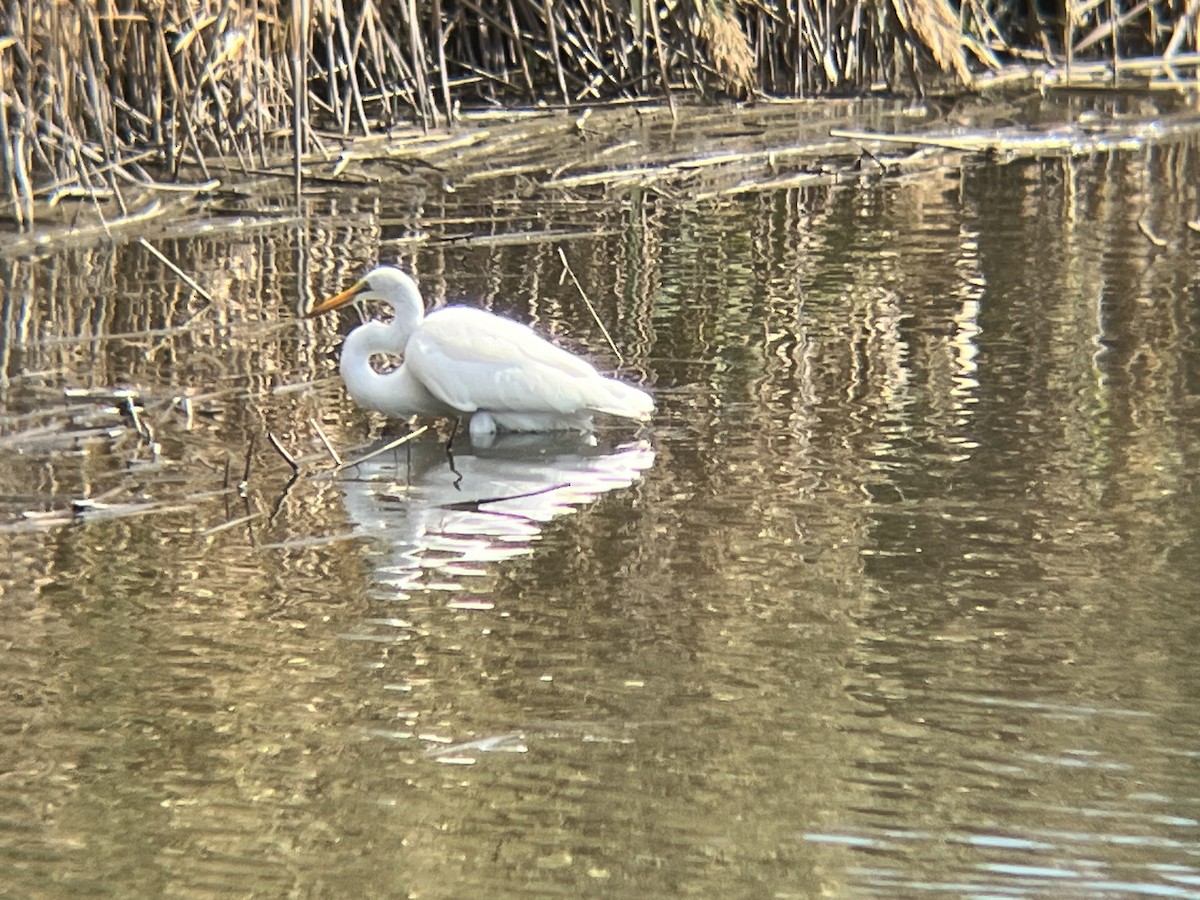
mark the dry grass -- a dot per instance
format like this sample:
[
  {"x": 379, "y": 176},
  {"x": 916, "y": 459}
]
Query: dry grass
[
  {"x": 729, "y": 49},
  {"x": 936, "y": 26},
  {"x": 105, "y": 99}
]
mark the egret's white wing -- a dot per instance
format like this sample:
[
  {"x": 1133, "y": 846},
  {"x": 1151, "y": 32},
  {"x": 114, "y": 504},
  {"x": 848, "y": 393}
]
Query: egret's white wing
[{"x": 474, "y": 360}]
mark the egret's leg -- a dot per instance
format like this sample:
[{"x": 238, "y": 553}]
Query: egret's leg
[{"x": 450, "y": 452}]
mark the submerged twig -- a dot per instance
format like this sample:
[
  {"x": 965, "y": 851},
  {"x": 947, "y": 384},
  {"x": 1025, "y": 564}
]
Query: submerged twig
[{"x": 591, "y": 309}]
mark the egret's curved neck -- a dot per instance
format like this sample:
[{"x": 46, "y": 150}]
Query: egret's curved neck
[
  {"x": 405, "y": 300},
  {"x": 387, "y": 392},
  {"x": 368, "y": 387}
]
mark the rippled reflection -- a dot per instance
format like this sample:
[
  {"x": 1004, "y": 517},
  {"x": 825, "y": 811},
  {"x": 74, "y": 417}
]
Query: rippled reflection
[
  {"x": 899, "y": 597},
  {"x": 439, "y": 517}
]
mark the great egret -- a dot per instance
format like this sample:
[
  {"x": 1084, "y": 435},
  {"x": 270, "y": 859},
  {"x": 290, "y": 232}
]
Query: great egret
[{"x": 464, "y": 361}]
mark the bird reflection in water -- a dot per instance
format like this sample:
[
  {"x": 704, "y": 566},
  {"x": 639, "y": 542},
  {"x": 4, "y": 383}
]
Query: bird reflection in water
[{"x": 436, "y": 523}]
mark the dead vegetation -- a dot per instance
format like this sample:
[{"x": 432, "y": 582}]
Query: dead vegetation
[{"x": 109, "y": 105}]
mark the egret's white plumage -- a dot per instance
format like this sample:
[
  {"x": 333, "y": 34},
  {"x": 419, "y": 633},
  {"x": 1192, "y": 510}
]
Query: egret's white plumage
[
  {"x": 394, "y": 393},
  {"x": 464, "y": 361}
]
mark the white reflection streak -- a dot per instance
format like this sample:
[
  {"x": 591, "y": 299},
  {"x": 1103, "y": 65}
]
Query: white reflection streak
[
  {"x": 508, "y": 491},
  {"x": 966, "y": 321},
  {"x": 966, "y": 349}
]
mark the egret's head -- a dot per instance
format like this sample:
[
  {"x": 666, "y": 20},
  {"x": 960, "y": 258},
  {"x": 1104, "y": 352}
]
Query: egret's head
[{"x": 386, "y": 283}]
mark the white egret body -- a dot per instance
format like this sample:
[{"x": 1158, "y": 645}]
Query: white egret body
[{"x": 464, "y": 361}]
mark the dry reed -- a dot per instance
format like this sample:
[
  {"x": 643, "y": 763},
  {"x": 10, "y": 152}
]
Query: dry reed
[{"x": 102, "y": 100}]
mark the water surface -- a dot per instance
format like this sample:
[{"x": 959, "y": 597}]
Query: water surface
[{"x": 896, "y": 596}]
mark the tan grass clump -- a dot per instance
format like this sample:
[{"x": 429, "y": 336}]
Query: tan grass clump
[
  {"x": 935, "y": 24},
  {"x": 728, "y": 49}
]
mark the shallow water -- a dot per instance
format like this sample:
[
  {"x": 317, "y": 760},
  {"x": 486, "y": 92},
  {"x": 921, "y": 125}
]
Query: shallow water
[{"x": 896, "y": 595}]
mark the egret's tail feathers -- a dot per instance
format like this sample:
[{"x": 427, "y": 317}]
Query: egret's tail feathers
[{"x": 619, "y": 399}]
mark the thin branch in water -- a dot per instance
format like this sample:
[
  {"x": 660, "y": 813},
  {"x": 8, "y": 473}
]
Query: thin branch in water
[
  {"x": 591, "y": 309},
  {"x": 232, "y": 523},
  {"x": 287, "y": 488},
  {"x": 185, "y": 403},
  {"x": 245, "y": 482},
  {"x": 183, "y": 276},
  {"x": 1151, "y": 236},
  {"x": 458, "y": 476},
  {"x": 474, "y": 505},
  {"x": 337, "y": 460},
  {"x": 131, "y": 409},
  {"x": 282, "y": 451},
  {"x": 384, "y": 449},
  {"x": 875, "y": 159}
]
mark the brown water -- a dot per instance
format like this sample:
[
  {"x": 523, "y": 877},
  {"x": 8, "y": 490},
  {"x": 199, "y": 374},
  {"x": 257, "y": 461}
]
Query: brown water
[{"x": 899, "y": 594}]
